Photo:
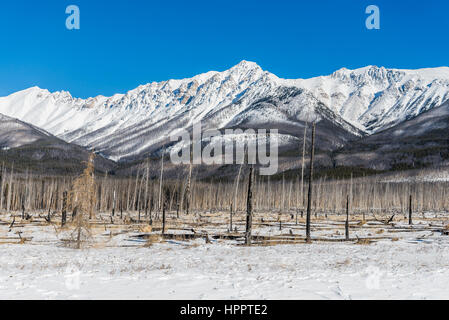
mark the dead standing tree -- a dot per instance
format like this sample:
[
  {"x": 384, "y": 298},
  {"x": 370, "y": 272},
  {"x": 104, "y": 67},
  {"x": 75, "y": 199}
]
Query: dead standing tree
[
  {"x": 237, "y": 184},
  {"x": 302, "y": 167},
  {"x": 230, "y": 219},
  {"x": 161, "y": 181},
  {"x": 163, "y": 219},
  {"x": 187, "y": 192},
  {"x": 309, "y": 197},
  {"x": 249, "y": 208},
  {"x": 147, "y": 178},
  {"x": 64, "y": 209},
  {"x": 347, "y": 219}
]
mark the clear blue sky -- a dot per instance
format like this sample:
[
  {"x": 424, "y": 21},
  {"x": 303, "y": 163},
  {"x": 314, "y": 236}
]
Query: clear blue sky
[{"x": 122, "y": 44}]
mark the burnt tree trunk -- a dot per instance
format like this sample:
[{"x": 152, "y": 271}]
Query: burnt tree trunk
[
  {"x": 113, "y": 203},
  {"x": 151, "y": 212},
  {"x": 189, "y": 182},
  {"x": 249, "y": 208},
  {"x": 49, "y": 209},
  {"x": 309, "y": 197},
  {"x": 146, "y": 208},
  {"x": 230, "y": 219},
  {"x": 74, "y": 212},
  {"x": 163, "y": 219},
  {"x": 347, "y": 219},
  {"x": 138, "y": 219},
  {"x": 64, "y": 209},
  {"x": 410, "y": 222}
]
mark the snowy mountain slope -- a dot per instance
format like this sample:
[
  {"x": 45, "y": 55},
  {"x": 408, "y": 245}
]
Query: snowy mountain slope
[
  {"x": 15, "y": 133},
  {"x": 433, "y": 120},
  {"x": 27, "y": 147},
  {"x": 422, "y": 141},
  {"x": 377, "y": 98},
  {"x": 128, "y": 125}
]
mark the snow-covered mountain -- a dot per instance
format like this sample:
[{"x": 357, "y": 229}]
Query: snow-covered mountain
[
  {"x": 421, "y": 142},
  {"x": 27, "y": 147},
  {"x": 374, "y": 98},
  {"x": 15, "y": 133},
  {"x": 350, "y": 102}
]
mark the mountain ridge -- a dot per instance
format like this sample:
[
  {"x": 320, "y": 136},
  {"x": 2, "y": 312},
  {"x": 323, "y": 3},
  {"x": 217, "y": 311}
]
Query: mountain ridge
[{"x": 361, "y": 101}]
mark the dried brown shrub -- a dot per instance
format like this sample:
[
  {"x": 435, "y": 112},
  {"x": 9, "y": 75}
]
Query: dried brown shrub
[{"x": 82, "y": 198}]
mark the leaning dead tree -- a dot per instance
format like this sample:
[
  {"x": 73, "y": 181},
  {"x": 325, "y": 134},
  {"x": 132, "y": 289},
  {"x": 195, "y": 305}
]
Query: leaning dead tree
[
  {"x": 83, "y": 201},
  {"x": 309, "y": 197}
]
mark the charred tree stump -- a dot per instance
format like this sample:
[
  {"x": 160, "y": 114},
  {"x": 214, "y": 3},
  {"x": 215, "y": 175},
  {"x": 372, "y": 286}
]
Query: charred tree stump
[
  {"x": 12, "y": 223},
  {"x": 309, "y": 197}
]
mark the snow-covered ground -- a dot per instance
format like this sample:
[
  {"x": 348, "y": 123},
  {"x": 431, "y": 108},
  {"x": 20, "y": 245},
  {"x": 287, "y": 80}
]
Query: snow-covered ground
[
  {"x": 426, "y": 175},
  {"x": 386, "y": 269}
]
